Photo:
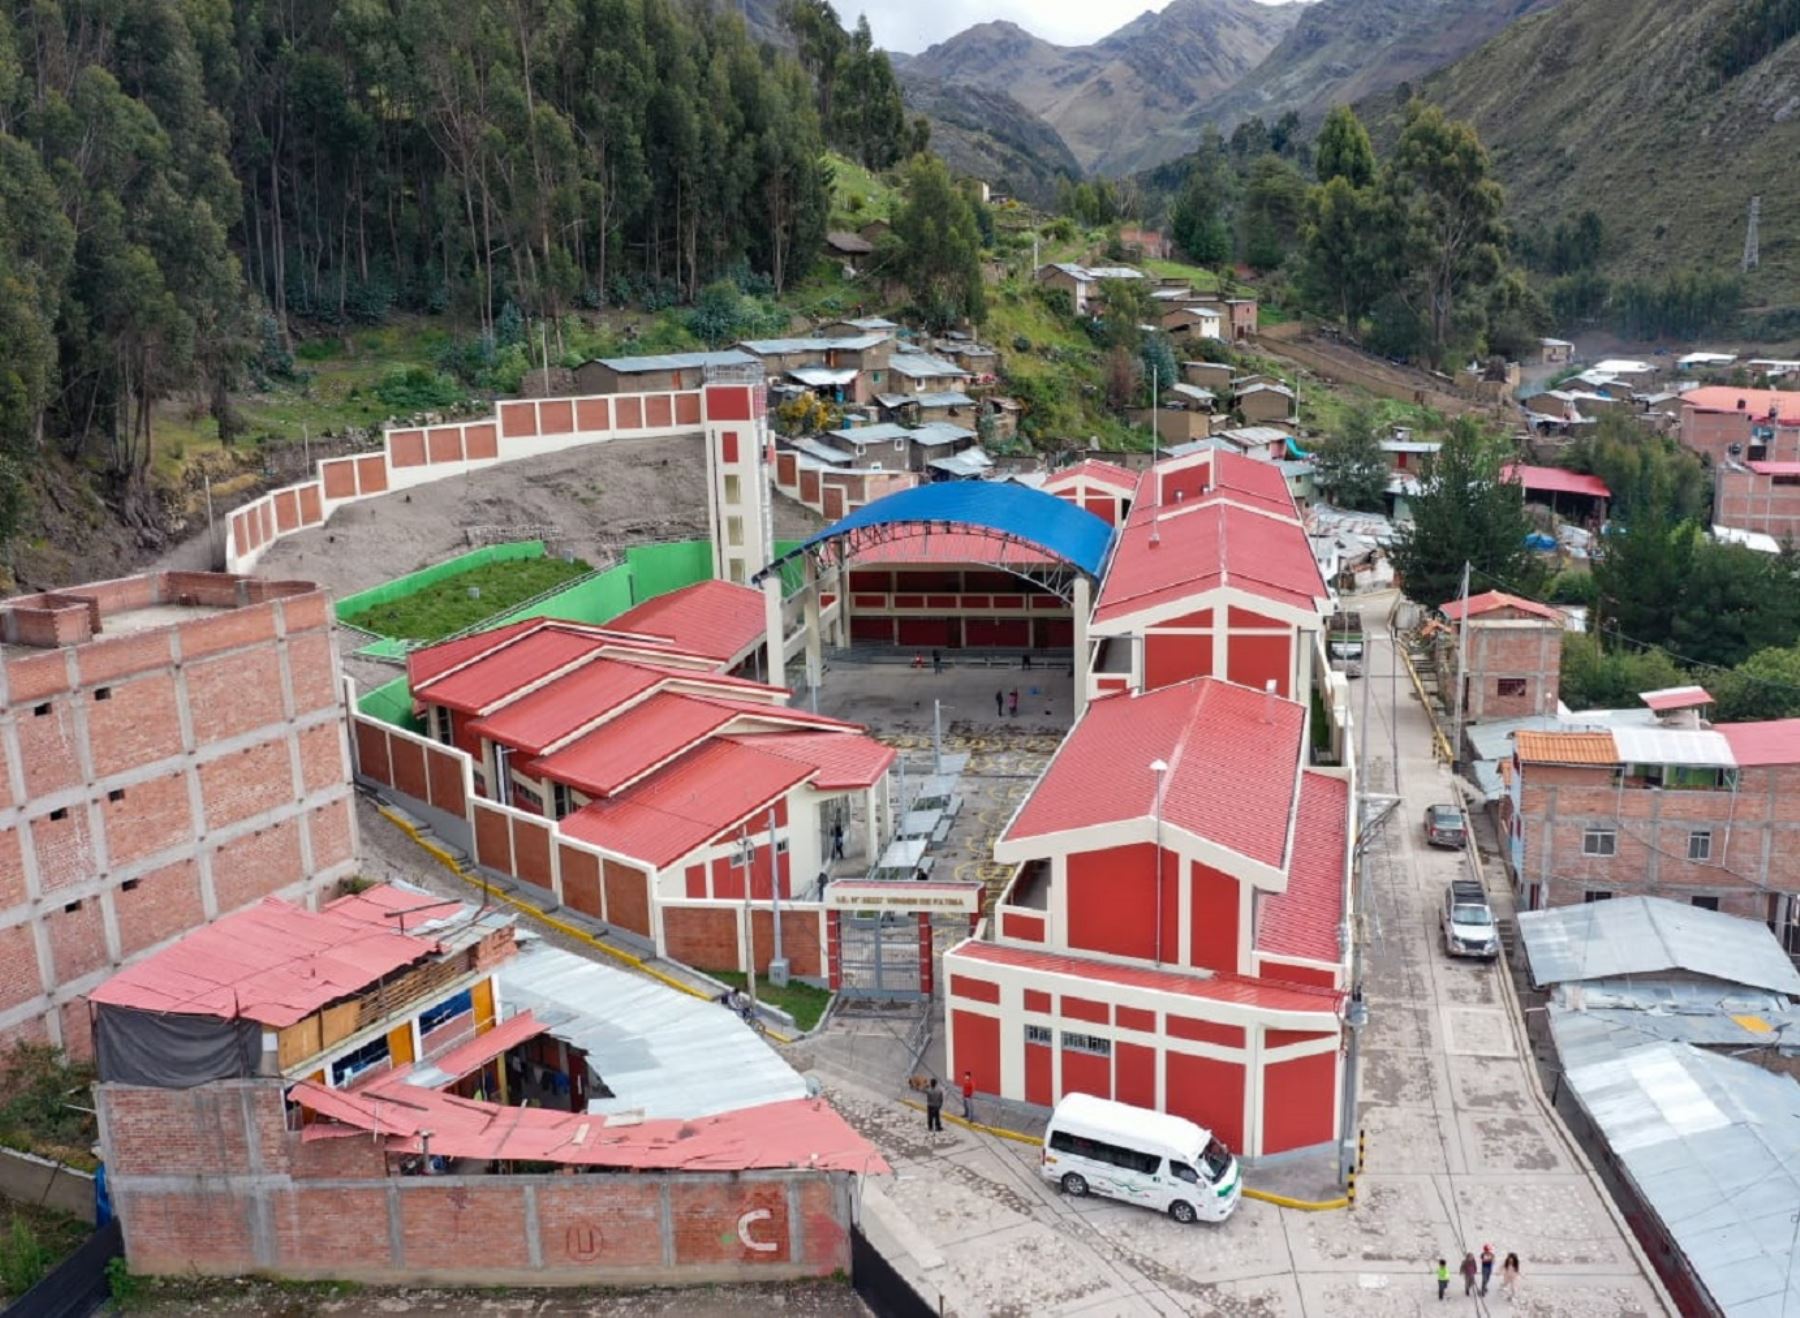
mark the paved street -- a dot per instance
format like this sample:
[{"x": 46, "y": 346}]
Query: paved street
[{"x": 1460, "y": 1151}]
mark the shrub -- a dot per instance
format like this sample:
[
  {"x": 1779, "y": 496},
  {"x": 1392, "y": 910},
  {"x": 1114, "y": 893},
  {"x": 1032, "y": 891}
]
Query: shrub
[
  {"x": 23, "y": 1258},
  {"x": 418, "y": 388}
]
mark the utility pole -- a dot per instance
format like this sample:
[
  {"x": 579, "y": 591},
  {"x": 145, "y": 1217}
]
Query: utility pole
[
  {"x": 937, "y": 736},
  {"x": 778, "y": 966},
  {"x": 1462, "y": 667},
  {"x": 746, "y": 854}
]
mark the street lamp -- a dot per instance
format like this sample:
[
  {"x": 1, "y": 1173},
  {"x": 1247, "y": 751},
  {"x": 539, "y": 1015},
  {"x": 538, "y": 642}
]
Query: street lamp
[
  {"x": 1161, "y": 769},
  {"x": 1356, "y": 1015}
]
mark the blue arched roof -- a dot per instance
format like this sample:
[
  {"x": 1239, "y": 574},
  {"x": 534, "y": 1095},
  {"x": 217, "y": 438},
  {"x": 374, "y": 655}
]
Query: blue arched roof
[{"x": 1048, "y": 523}]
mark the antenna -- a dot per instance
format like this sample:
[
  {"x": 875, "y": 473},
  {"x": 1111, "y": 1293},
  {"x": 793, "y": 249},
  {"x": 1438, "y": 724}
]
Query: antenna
[{"x": 1752, "y": 244}]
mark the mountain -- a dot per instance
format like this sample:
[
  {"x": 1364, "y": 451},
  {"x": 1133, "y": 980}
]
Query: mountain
[
  {"x": 1135, "y": 85},
  {"x": 991, "y": 136},
  {"x": 1340, "y": 51},
  {"x": 1620, "y": 106}
]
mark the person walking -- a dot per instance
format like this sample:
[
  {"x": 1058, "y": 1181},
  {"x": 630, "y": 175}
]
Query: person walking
[
  {"x": 1468, "y": 1273},
  {"x": 1509, "y": 1277},
  {"x": 934, "y": 1106},
  {"x": 837, "y": 840},
  {"x": 1487, "y": 1267},
  {"x": 937, "y": 661},
  {"x": 1012, "y": 703},
  {"x": 1443, "y": 1278},
  {"x": 999, "y": 703},
  {"x": 968, "y": 1095}
]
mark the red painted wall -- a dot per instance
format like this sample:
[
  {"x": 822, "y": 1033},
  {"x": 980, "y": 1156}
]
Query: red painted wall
[
  {"x": 1037, "y": 1075},
  {"x": 1254, "y": 660},
  {"x": 1136, "y": 1069},
  {"x": 1175, "y": 658},
  {"x": 1112, "y": 902},
  {"x": 1297, "y": 1102},
  {"x": 976, "y": 1041},
  {"x": 1207, "y": 1091},
  {"x": 1213, "y": 939},
  {"x": 1103, "y": 507},
  {"x": 1085, "y": 1073}
]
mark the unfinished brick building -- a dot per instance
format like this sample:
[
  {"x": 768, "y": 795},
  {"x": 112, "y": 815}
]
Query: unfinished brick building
[
  {"x": 1514, "y": 655},
  {"x": 172, "y": 748}
]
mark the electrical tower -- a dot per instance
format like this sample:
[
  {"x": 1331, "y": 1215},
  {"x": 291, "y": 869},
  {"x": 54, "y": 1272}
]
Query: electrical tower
[{"x": 1752, "y": 256}]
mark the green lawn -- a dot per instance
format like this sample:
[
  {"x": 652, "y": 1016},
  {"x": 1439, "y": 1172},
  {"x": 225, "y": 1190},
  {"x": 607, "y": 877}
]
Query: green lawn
[
  {"x": 803, "y": 1002},
  {"x": 448, "y": 606}
]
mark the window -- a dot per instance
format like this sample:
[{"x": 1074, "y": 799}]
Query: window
[
  {"x": 734, "y": 489},
  {"x": 562, "y": 801},
  {"x": 116, "y": 795},
  {"x": 130, "y": 885},
  {"x": 441, "y": 724},
  {"x": 737, "y": 570},
  {"x": 1704, "y": 903},
  {"x": 1080, "y": 1146},
  {"x": 734, "y": 532},
  {"x": 1038, "y": 1034},
  {"x": 1599, "y": 842},
  {"x": 448, "y": 1009},
  {"x": 102, "y": 693},
  {"x": 1087, "y": 1043},
  {"x": 71, "y": 908},
  {"x": 1182, "y": 1172},
  {"x": 39, "y": 711},
  {"x": 1700, "y": 844},
  {"x": 60, "y": 813},
  {"x": 1596, "y": 895},
  {"x": 353, "y": 1064},
  {"x": 1510, "y": 686}
]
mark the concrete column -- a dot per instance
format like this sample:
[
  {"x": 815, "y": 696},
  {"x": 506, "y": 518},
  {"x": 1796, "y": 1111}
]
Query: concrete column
[
  {"x": 772, "y": 627},
  {"x": 841, "y": 628},
  {"x": 809, "y": 606},
  {"x": 1082, "y": 607}
]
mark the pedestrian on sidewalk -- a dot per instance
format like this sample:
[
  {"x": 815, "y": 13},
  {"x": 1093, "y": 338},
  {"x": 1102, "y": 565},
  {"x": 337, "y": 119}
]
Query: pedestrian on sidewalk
[
  {"x": 934, "y": 1106},
  {"x": 968, "y": 1095},
  {"x": 1443, "y": 1279},
  {"x": 837, "y": 840},
  {"x": 1509, "y": 1277},
  {"x": 1468, "y": 1274},
  {"x": 937, "y": 661},
  {"x": 1012, "y": 703},
  {"x": 999, "y": 703},
  {"x": 1487, "y": 1267}
]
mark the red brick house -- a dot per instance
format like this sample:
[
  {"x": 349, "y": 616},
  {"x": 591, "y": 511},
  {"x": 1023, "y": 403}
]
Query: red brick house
[{"x": 1514, "y": 655}]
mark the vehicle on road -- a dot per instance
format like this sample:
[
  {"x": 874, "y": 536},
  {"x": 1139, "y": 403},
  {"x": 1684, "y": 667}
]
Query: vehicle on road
[
  {"x": 1344, "y": 639},
  {"x": 1096, "y": 1146},
  {"x": 1446, "y": 826},
  {"x": 1469, "y": 928}
]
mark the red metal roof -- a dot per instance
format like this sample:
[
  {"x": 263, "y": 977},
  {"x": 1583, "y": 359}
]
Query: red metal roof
[
  {"x": 558, "y": 708},
  {"x": 1240, "y": 990},
  {"x": 275, "y": 963},
  {"x": 1754, "y": 745},
  {"x": 719, "y": 619},
  {"x": 801, "y": 1132},
  {"x": 507, "y": 668},
  {"x": 1303, "y": 921},
  {"x": 1233, "y": 478},
  {"x": 1234, "y": 760},
  {"x": 434, "y": 661},
  {"x": 845, "y": 761},
  {"x": 686, "y": 804},
  {"x": 1492, "y": 601},
  {"x": 1676, "y": 697},
  {"x": 1555, "y": 480},
  {"x": 465, "y": 1058},
  {"x": 632, "y": 743},
  {"x": 397, "y": 910},
  {"x": 1203, "y": 546},
  {"x": 1774, "y": 468},
  {"x": 1754, "y": 403},
  {"x": 1095, "y": 472}
]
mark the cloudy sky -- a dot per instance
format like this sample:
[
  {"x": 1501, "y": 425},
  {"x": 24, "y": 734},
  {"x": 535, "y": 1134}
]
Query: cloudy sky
[{"x": 912, "y": 25}]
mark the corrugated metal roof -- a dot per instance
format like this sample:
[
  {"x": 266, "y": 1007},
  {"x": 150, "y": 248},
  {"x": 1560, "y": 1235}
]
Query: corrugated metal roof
[
  {"x": 531, "y": 658},
  {"x": 677, "y": 361},
  {"x": 934, "y": 433},
  {"x": 540, "y": 720},
  {"x": 1270, "y": 995},
  {"x": 1711, "y": 1144},
  {"x": 1095, "y": 471},
  {"x": 687, "y": 803},
  {"x": 1234, "y": 760},
  {"x": 1039, "y": 519},
  {"x": 660, "y": 1052},
  {"x": 968, "y": 464},
  {"x": 1555, "y": 480},
  {"x": 781, "y": 347},
  {"x": 944, "y": 398},
  {"x": 466, "y": 1058},
  {"x": 887, "y": 430},
  {"x": 1676, "y": 697},
  {"x": 1645, "y": 935},
  {"x": 922, "y": 366},
  {"x": 1303, "y": 921},
  {"x": 1756, "y": 745},
  {"x": 845, "y": 761},
  {"x": 1195, "y": 546},
  {"x": 820, "y": 376},
  {"x": 1492, "y": 601},
  {"x": 718, "y": 619},
  {"x": 1232, "y": 477},
  {"x": 630, "y": 744},
  {"x": 1678, "y": 746},
  {"x": 1565, "y": 747},
  {"x": 275, "y": 963}
]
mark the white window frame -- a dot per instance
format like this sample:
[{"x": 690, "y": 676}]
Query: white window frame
[
  {"x": 1600, "y": 842},
  {"x": 1699, "y": 846},
  {"x": 1040, "y": 1034},
  {"x": 1094, "y": 1044}
]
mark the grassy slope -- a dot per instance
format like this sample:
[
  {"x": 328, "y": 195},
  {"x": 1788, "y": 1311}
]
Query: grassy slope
[
  {"x": 447, "y": 606},
  {"x": 1607, "y": 103}
]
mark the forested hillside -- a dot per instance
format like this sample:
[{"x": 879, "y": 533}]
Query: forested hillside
[{"x": 180, "y": 182}]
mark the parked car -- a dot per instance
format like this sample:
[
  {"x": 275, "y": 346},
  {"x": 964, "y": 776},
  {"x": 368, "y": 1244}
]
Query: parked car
[
  {"x": 1096, "y": 1146},
  {"x": 1446, "y": 826},
  {"x": 1469, "y": 928}
]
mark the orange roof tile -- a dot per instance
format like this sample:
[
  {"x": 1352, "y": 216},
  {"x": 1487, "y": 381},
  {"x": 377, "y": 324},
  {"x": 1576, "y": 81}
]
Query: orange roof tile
[{"x": 1566, "y": 748}]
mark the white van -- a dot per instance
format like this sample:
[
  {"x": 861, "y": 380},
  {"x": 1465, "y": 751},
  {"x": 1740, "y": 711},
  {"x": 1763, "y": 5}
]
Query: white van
[{"x": 1094, "y": 1146}]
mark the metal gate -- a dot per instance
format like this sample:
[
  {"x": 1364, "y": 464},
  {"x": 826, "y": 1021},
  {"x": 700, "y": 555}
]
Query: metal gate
[{"x": 879, "y": 954}]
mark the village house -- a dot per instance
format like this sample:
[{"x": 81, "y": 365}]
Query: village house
[
  {"x": 1082, "y": 282},
  {"x": 856, "y": 327},
  {"x": 852, "y": 249},
  {"x": 1556, "y": 352},
  {"x": 844, "y": 370},
  {"x": 1757, "y": 498},
  {"x": 1145, "y": 244},
  {"x": 673, "y": 371},
  {"x": 1707, "y": 814},
  {"x": 1569, "y": 494},
  {"x": 1199, "y": 321},
  {"x": 923, "y": 373},
  {"x": 1216, "y": 376},
  {"x": 1404, "y": 453},
  {"x": 1726, "y": 424},
  {"x": 1514, "y": 655},
  {"x": 1262, "y": 401}
]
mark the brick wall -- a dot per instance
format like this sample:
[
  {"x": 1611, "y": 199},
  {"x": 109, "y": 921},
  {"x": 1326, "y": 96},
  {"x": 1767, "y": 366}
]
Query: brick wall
[
  {"x": 1750, "y": 501},
  {"x": 148, "y": 780},
  {"x": 1515, "y": 669},
  {"x": 328, "y": 1209}
]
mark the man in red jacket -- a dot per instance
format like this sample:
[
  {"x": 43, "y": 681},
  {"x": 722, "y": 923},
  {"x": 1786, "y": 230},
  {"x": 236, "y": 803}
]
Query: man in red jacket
[{"x": 968, "y": 1095}]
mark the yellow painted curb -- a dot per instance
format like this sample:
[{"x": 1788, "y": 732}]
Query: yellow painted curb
[
  {"x": 638, "y": 964},
  {"x": 1020, "y": 1137}
]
